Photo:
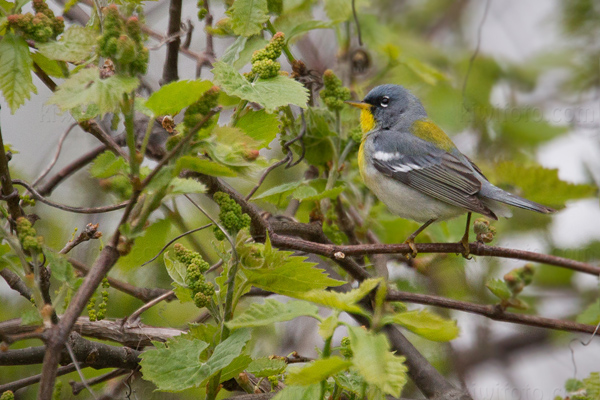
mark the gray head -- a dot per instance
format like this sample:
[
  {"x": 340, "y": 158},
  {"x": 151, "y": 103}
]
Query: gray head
[{"x": 393, "y": 104}]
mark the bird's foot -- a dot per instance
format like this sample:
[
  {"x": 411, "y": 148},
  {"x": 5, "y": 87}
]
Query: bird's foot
[
  {"x": 411, "y": 243},
  {"x": 467, "y": 249}
]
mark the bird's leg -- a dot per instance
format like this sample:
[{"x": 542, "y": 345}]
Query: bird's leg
[
  {"x": 465, "y": 239},
  {"x": 411, "y": 239}
]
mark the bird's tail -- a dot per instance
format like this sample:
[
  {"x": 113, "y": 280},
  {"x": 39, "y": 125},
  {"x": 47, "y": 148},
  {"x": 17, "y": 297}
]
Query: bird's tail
[{"x": 495, "y": 193}]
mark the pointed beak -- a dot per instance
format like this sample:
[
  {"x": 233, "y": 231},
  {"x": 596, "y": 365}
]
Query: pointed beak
[{"x": 359, "y": 104}]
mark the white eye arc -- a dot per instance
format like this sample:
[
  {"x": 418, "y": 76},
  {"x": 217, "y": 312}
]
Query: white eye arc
[{"x": 385, "y": 101}]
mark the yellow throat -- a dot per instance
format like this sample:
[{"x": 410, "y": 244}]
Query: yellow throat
[{"x": 367, "y": 124}]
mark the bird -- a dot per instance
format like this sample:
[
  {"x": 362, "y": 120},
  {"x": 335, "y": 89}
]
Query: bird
[{"x": 416, "y": 170}]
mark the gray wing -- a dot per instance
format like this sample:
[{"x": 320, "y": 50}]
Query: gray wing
[{"x": 440, "y": 175}]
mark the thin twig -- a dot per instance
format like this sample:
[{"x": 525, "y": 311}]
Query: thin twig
[
  {"x": 174, "y": 32},
  {"x": 147, "y": 306},
  {"x": 58, "y": 150},
  {"x": 77, "y": 387},
  {"x": 32, "y": 380},
  {"x": 264, "y": 175},
  {"x": 78, "y": 210},
  {"x": 90, "y": 232},
  {"x": 176, "y": 238},
  {"x": 79, "y": 372}
]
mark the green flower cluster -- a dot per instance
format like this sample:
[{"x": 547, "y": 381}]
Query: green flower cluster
[
  {"x": 123, "y": 43},
  {"x": 91, "y": 307},
  {"x": 274, "y": 381},
  {"x": 334, "y": 93},
  {"x": 41, "y": 27},
  {"x": 28, "y": 236},
  {"x": 8, "y": 395},
  {"x": 194, "y": 277},
  {"x": 518, "y": 278},
  {"x": 104, "y": 304},
  {"x": 484, "y": 231},
  {"x": 345, "y": 349},
  {"x": 194, "y": 113},
  {"x": 231, "y": 215},
  {"x": 264, "y": 64},
  {"x": 202, "y": 11}
]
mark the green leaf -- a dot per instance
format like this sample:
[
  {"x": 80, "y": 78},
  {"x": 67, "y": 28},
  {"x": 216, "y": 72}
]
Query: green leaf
[
  {"x": 375, "y": 363},
  {"x": 316, "y": 371},
  {"x": 311, "y": 392},
  {"x": 85, "y": 89},
  {"x": 327, "y": 326},
  {"x": 175, "y": 96},
  {"x": 426, "y": 324},
  {"x": 176, "y": 269},
  {"x": 342, "y": 301},
  {"x": 51, "y": 67},
  {"x": 286, "y": 274},
  {"x": 307, "y": 26},
  {"x": 276, "y": 194},
  {"x": 61, "y": 269},
  {"x": 175, "y": 365},
  {"x": 15, "y": 71},
  {"x": 75, "y": 45},
  {"x": 592, "y": 386},
  {"x": 185, "y": 186},
  {"x": 247, "y": 16},
  {"x": 232, "y": 53},
  {"x": 499, "y": 288},
  {"x": 245, "y": 55},
  {"x": 108, "y": 164},
  {"x": 540, "y": 184},
  {"x": 526, "y": 127},
  {"x": 203, "y": 166},
  {"x": 146, "y": 246},
  {"x": 316, "y": 191},
  {"x": 350, "y": 381},
  {"x": 184, "y": 294},
  {"x": 265, "y": 366},
  {"x": 269, "y": 93},
  {"x": 31, "y": 317},
  {"x": 591, "y": 315},
  {"x": 238, "y": 365},
  {"x": 272, "y": 311},
  {"x": 426, "y": 72},
  {"x": 338, "y": 10},
  {"x": 260, "y": 126}
]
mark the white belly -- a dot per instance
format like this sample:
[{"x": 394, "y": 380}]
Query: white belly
[{"x": 406, "y": 202}]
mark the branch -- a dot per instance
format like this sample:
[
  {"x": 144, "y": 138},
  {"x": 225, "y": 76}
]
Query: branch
[
  {"x": 144, "y": 294},
  {"x": 9, "y": 193},
  {"x": 77, "y": 387},
  {"x": 490, "y": 311},
  {"x": 171, "y": 61},
  {"x": 32, "y": 380},
  {"x": 16, "y": 283}
]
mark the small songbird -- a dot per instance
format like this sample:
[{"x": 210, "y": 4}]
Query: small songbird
[{"x": 415, "y": 169}]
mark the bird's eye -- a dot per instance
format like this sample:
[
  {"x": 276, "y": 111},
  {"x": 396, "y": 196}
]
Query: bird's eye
[{"x": 385, "y": 101}]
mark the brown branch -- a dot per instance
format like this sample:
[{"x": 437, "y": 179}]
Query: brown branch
[
  {"x": 9, "y": 193},
  {"x": 90, "y": 232},
  {"x": 149, "y": 305},
  {"x": 478, "y": 249},
  {"x": 78, "y": 387},
  {"x": 144, "y": 294},
  {"x": 47, "y": 188},
  {"x": 170, "y": 69},
  {"x": 494, "y": 312},
  {"x": 16, "y": 283},
  {"x": 32, "y": 380}
]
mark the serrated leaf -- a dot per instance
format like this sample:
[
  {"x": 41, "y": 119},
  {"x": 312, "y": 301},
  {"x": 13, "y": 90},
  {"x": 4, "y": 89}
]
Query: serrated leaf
[
  {"x": 350, "y": 381},
  {"x": 375, "y": 363},
  {"x": 269, "y": 93},
  {"x": 327, "y": 326},
  {"x": 247, "y": 16},
  {"x": 183, "y": 294},
  {"x": 108, "y": 164},
  {"x": 307, "y": 26},
  {"x": 85, "y": 89},
  {"x": 75, "y": 45},
  {"x": 185, "y": 186},
  {"x": 15, "y": 71},
  {"x": 425, "y": 324},
  {"x": 265, "y": 366},
  {"x": 237, "y": 366},
  {"x": 499, "y": 288},
  {"x": 176, "y": 269},
  {"x": 175, "y": 96},
  {"x": 203, "y": 166},
  {"x": 342, "y": 301},
  {"x": 278, "y": 193},
  {"x": 316, "y": 371},
  {"x": 175, "y": 365},
  {"x": 540, "y": 184},
  {"x": 145, "y": 247},
  {"x": 316, "y": 191},
  {"x": 591, "y": 315},
  {"x": 299, "y": 393},
  {"x": 272, "y": 311},
  {"x": 61, "y": 269},
  {"x": 232, "y": 53},
  {"x": 592, "y": 386},
  {"x": 245, "y": 55},
  {"x": 260, "y": 126}
]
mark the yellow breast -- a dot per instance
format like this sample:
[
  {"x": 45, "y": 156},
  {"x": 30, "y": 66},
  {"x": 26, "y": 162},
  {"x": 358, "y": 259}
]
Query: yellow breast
[{"x": 367, "y": 121}]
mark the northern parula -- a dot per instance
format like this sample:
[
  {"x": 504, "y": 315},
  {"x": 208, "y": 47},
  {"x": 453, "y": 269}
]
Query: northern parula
[{"x": 415, "y": 169}]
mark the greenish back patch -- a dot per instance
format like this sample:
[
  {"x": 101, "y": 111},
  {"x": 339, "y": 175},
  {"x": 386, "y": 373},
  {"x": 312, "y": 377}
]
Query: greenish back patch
[{"x": 430, "y": 132}]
